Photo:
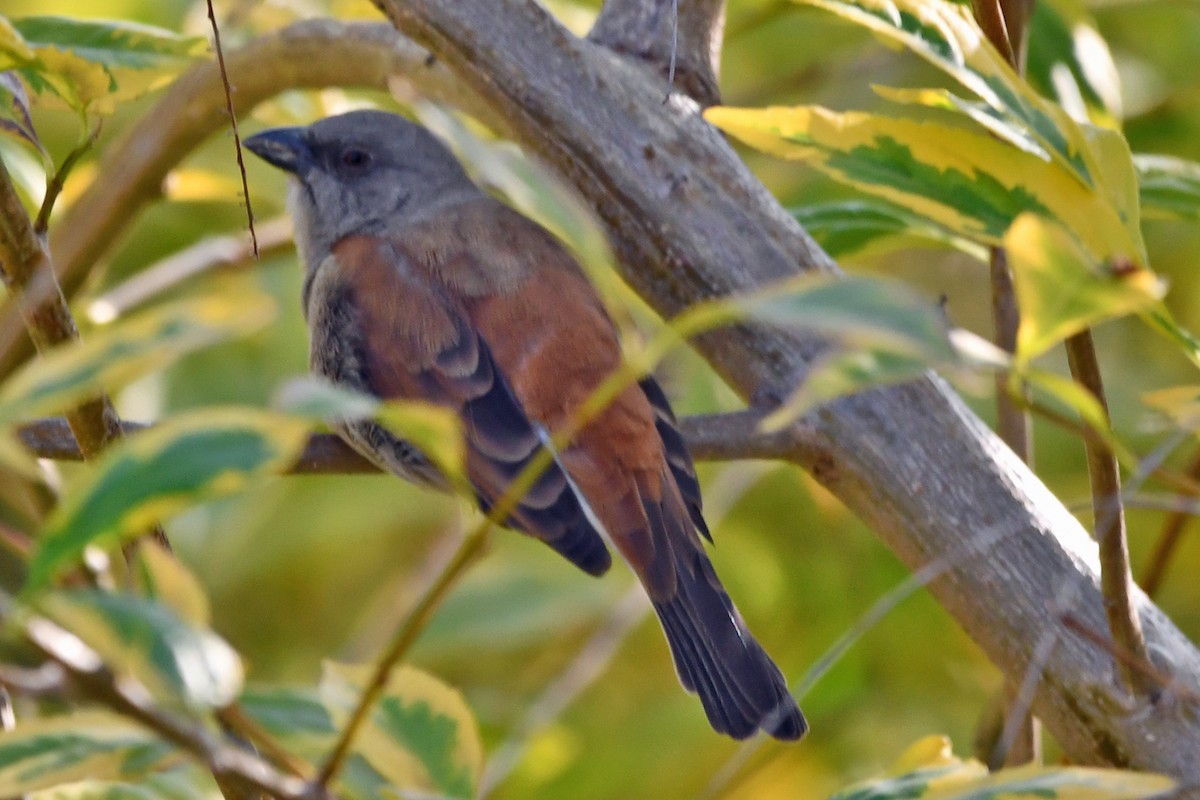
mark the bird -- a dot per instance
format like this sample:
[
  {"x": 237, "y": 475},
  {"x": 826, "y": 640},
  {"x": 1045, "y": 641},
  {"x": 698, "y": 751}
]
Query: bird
[{"x": 419, "y": 285}]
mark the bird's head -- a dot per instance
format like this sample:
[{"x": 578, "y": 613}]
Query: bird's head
[{"x": 365, "y": 172}]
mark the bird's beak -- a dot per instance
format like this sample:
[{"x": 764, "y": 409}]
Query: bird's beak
[{"x": 286, "y": 148}]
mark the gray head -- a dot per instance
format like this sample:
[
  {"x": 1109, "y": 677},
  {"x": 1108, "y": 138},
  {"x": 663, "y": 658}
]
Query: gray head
[{"x": 361, "y": 172}]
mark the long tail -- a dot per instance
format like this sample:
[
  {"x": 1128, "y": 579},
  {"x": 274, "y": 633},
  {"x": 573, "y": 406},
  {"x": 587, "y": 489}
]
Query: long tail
[{"x": 739, "y": 685}]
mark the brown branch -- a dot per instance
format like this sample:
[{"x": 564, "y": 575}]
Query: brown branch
[
  {"x": 218, "y": 252},
  {"x": 81, "y": 671},
  {"x": 687, "y": 48},
  {"x": 130, "y": 175},
  {"x": 710, "y": 437},
  {"x": 28, "y": 274},
  {"x": 1109, "y": 519}
]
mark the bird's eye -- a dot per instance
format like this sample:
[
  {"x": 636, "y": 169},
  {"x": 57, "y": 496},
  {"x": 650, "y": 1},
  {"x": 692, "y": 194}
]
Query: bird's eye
[{"x": 354, "y": 157}]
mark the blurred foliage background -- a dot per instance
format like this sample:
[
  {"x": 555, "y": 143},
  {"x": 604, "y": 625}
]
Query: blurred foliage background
[{"x": 310, "y": 568}]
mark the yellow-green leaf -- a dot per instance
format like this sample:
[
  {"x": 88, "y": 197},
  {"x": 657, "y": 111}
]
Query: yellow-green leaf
[
  {"x": 930, "y": 770},
  {"x": 1169, "y": 187},
  {"x": 44, "y": 752},
  {"x": 117, "y": 354},
  {"x": 948, "y": 37},
  {"x": 14, "y": 50},
  {"x": 136, "y": 638},
  {"x": 95, "y": 64},
  {"x": 971, "y": 183},
  {"x": 183, "y": 461},
  {"x": 850, "y": 226},
  {"x": 163, "y": 578},
  {"x": 1061, "y": 289},
  {"x": 420, "y": 735},
  {"x": 434, "y": 430}
]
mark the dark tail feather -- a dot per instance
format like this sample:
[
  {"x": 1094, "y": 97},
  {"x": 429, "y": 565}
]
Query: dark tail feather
[{"x": 739, "y": 686}]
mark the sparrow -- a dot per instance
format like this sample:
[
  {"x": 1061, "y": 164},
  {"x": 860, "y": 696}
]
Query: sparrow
[{"x": 419, "y": 285}]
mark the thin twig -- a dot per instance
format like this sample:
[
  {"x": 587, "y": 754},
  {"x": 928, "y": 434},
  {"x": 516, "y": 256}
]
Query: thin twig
[
  {"x": 237, "y": 139},
  {"x": 28, "y": 272},
  {"x": 1109, "y": 518},
  {"x": 82, "y": 670},
  {"x": 471, "y": 548},
  {"x": 217, "y": 252},
  {"x": 240, "y": 723},
  {"x": 56, "y": 182}
]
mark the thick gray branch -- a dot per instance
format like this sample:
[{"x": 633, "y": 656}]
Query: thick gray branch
[{"x": 689, "y": 222}]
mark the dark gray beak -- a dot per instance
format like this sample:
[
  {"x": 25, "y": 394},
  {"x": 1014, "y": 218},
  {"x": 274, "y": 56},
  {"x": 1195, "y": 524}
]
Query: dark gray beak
[{"x": 286, "y": 148}]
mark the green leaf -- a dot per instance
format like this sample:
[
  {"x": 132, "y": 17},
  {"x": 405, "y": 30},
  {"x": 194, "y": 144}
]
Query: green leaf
[
  {"x": 117, "y": 354},
  {"x": 435, "y": 431},
  {"x": 948, "y": 37},
  {"x": 183, "y": 461},
  {"x": 930, "y": 770},
  {"x": 862, "y": 312},
  {"x": 849, "y": 226},
  {"x": 186, "y": 783},
  {"x": 970, "y": 183},
  {"x": 95, "y": 64},
  {"x": 1061, "y": 290},
  {"x": 420, "y": 735},
  {"x": 1169, "y": 187},
  {"x": 44, "y": 752},
  {"x": 146, "y": 641}
]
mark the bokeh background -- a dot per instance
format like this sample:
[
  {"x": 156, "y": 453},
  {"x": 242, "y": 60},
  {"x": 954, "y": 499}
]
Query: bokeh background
[{"x": 311, "y": 568}]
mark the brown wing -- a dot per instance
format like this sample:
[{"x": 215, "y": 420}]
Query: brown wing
[{"x": 411, "y": 338}]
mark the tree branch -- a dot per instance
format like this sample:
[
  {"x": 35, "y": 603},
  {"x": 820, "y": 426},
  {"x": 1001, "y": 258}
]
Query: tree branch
[
  {"x": 688, "y": 222},
  {"x": 710, "y": 437}
]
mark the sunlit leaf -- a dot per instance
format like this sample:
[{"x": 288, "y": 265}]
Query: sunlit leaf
[
  {"x": 1061, "y": 290},
  {"x": 948, "y": 37},
  {"x": 95, "y": 64},
  {"x": 1074, "y": 397},
  {"x": 841, "y": 373},
  {"x": 48, "y": 751},
  {"x": 855, "y": 310},
  {"x": 420, "y": 735},
  {"x": 1161, "y": 321},
  {"x": 178, "y": 463},
  {"x": 435, "y": 431},
  {"x": 930, "y": 770},
  {"x": 111, "y": 357},
  {"x": 163, "y": 578},
  {"x": 184, "y": 783},
  {"x": 14, "y": 50},
  {"x": 1169, "y": 187},
  {"x": 971, "y": 183},
  {"x": 135, "y": 637},
  {"x": 848, "y": 226}
]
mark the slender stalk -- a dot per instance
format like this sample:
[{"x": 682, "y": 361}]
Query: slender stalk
[
  {"x": 1115, "y": 577},
  {"x": 471, "y": 548}
]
